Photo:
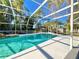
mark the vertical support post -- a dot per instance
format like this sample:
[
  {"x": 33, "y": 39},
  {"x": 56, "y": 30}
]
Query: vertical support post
[
  {"x": 13, "y": 14},
  {"x": 71, "y": 26}
]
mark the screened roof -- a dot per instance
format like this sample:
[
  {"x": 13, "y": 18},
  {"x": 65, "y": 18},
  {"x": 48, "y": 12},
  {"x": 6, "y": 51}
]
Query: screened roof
[
  {"x": 51, "y": 10},
  {"x": 44, "y": 10}
]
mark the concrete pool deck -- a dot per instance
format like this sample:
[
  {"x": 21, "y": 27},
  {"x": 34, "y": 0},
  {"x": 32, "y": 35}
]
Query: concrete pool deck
[
  {"x": 56, "y": 48},
  {"x": 73, "y": 54}
]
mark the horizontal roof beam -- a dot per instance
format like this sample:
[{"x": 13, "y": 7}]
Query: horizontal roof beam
[
  {"x": 38, "y": 8},
  {"x": 60, "y": 10},
  {"x": 62, "y": 16}
]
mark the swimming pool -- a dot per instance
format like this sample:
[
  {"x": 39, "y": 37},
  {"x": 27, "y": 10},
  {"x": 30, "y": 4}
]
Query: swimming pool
[{"x": 13, "y": 45}]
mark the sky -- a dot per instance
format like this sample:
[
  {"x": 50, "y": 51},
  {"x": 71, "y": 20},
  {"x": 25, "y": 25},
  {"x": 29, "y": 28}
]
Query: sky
[{"x": 33, "y": 6}]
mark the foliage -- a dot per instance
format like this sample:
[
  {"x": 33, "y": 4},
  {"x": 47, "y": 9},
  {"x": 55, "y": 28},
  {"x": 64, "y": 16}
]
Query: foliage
[
  {"x": 54, "y": 23},
  {"x": 5, "y": 2},
  {"x": 55, "y": 2},
  {"x": 2, "y": 19},
  {"x": 17, "y": 4}
]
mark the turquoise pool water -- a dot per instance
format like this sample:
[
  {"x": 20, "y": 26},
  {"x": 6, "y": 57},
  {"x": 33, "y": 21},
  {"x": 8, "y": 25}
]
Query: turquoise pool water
[{"x": 13, "y": 45}]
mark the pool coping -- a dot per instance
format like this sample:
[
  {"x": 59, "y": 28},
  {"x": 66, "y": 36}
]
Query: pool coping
[{"x": 26, "y": 51}]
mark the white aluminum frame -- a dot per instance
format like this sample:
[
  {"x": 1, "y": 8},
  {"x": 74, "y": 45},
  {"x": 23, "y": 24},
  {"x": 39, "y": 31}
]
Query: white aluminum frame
[
  {"x": 58, "y": 12},
  {"x": 71, "y": 26},
  {"x": 71, "y": 19},
  {"x": 36, "y": 11}
]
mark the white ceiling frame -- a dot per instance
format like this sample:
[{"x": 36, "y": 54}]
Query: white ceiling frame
[
  {"x": 39, "y": 4},
  {"x": 62, "y": 16},
  {"x": 59, "y": 11},
  {"x": 44, "y": 2},
  {"x": 38, "y": 8}
]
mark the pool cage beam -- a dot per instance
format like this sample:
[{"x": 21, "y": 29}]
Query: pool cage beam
[
  {"x": 43, "y": 6},
  {"x": 62, "y": 17},
  {"x": 44, "y": 2},
  {"x": 71, "y": 26},
  {"x": 59, "y": 11},
  {"x": 13, "y": 14},
  {"x": 38, "y": 8}
]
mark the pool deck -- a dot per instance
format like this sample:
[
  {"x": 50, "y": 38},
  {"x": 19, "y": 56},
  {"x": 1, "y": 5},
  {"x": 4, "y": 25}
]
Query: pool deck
[
  {"x": 73, "y": 54},
  {"x": 56, "y": 48}
]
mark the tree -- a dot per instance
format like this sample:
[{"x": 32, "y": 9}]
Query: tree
[
  {"x": 5, "y": 2},
  {"x": 55, "y": 2},
  {"x": 17, "y": 4},
  {"x": 3, "y": 20}
]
